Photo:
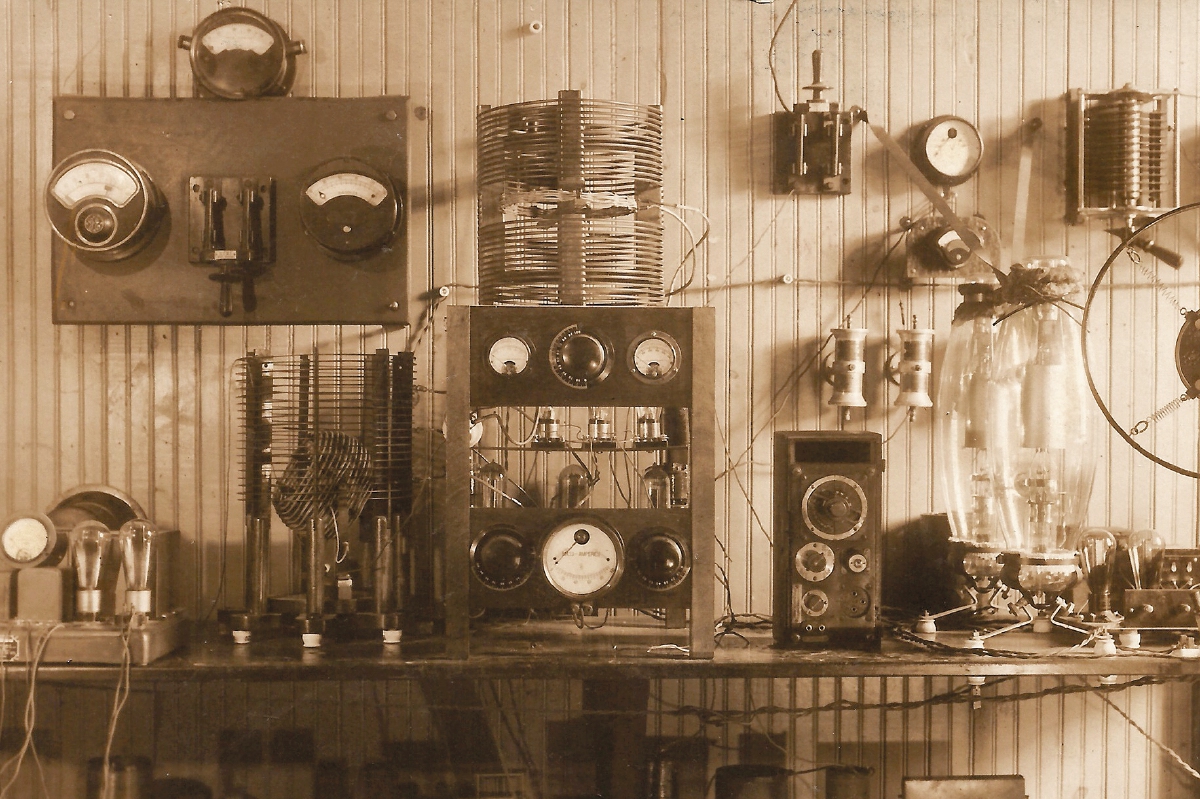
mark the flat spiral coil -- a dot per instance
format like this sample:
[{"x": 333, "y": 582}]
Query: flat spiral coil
[
  {"x": 1125, "y": 152},
  {"x": 325, "y": 434},
  {"x": 569, "y": 195}
]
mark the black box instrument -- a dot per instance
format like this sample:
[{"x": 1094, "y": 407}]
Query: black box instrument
[
  {"x": 828, "y": 487},
  {"x": 580, "y": 468}
]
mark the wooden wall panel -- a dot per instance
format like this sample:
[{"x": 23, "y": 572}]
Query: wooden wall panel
[{"x": 151, "y": 409}]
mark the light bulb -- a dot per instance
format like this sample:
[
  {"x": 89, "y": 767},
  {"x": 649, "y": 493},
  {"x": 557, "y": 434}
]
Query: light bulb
[
  {"x": 1143, "y": 549},
  {"x": 649, "y": 424},
  {"x": 574, "y": 486},
  {"x": 138, "y": 539},
  {"x": 1096, "y": 548},
  {"x": 91, "y": 544}
]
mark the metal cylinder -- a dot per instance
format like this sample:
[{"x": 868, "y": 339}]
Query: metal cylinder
[
  {"x": 258, "y": 564},
  {"x": 915, "y": 368},
  {"x": 752, "y": 782},
  {"x": 314, "y": 588},
  {"x": 848, "y": 367}
]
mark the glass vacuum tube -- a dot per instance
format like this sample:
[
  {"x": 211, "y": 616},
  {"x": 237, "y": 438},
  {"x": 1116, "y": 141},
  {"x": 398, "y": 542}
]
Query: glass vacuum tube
[{"x": 976, "y": 401}]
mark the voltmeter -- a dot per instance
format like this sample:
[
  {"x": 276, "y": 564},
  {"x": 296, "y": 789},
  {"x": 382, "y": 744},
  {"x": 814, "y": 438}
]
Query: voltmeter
[
  {"x": 238, "y": 53},
  {"x": 947, "y": 150},
  {"x": 654, "y": 357},
  {"x": 350, "y": 208},
  {"x": 103, "y": 205},
  {"x": 509, "y": 355},
  {"x": 582, "y": 558},
  {"x": 31, "y": 539}
]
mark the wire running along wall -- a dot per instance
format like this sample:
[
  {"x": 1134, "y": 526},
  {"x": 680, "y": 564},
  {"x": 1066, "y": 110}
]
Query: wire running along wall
[{"x": 153, "y": 409}]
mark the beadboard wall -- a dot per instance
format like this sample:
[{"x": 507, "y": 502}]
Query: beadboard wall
[{"x": 151, "y": 409}]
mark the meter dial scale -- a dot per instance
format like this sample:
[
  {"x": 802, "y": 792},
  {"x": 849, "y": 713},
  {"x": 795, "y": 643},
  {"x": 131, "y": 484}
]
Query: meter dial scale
[
  {"x": 238, "y": 53},
  {"x": 509, "y": 355},
  {"x": 947, "y": 150},
  {"x": 502, "y": 559},
  {"x": 350, "y": 208},
  {"x": 582, "y": 559},
  {"x": 103, "y": 205},
  {"x": 660, "y": 560},
  {"x": 654, "y": 357},
  {"x": 30, "y": 539}
]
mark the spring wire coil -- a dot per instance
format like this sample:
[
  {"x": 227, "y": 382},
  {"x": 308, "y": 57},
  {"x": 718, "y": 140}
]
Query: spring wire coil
[
  {"x": 569, "y": 195},
  {"x": 1125, "y": 152}
]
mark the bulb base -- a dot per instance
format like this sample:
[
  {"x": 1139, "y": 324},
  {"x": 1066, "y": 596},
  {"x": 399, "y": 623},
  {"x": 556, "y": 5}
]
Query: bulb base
[
  {"x": 87, "y": 600},
  {"x": 241, "y": 636},
  {"x": 391, "y": 636},
  {"x": 141, "y": 601},
  {"x": 310, "y": 640}
]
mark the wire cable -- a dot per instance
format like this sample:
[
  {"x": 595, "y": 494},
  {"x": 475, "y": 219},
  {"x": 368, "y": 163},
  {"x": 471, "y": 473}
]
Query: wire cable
[
  {"x": 16, "y": 761},
  {"x": 771, "y": 55}
]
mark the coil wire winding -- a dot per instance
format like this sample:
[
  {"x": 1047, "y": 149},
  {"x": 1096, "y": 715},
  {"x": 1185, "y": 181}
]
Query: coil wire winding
[{"x": 569, "y": 196}]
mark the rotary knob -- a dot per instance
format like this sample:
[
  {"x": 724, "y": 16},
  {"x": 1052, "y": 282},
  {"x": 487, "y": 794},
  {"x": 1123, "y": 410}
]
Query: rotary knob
[
  {"x": 579, "y": 358},
  {"x": 660, "y": 561},
  {"x": 502, "y": 559}
]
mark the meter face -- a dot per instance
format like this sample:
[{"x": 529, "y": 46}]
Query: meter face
[
  {"x": 238, "y": 36},
  {"x": 94, "y": 179},
  {"x": 347, "y": 184}
]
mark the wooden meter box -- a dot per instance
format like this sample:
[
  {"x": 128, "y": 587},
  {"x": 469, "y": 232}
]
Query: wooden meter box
[
  {"x": 580, "y": 446},
  {"x": 206, "y": 211}
]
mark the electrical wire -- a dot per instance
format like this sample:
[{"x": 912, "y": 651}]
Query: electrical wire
[
  {"x": 16, "y": 761},
  {"x": 120, "y": 696},
  {"x": 1168, "y": 751},
  {"x": 771, "y": 55}
]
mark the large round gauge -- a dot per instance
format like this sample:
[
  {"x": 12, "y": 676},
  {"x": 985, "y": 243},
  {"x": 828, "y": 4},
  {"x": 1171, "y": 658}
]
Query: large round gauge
[
  {"x": 947, "y": 150},
  {"x": 582, "y": 558},
  {"x": 502, "y": 559},
  {"x": 238, "y": 53},
  {"x": 580, "y": 358},
  {"x": 834, "y": 507},
  {"x": 350, "y": 208},
  {"x": 660, "y": 560},
  {"x": 103, "y": 205},
  {"x": 31, "y": 539},
  {"x": 509, "y": 355},
  {"x": 654, "y": 357}
]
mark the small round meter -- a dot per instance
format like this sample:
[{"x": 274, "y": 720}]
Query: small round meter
[
  {"x": 103, "y": 205},
  {"x": 238, "y": 53},
  {"x": 947, "y": 150},
  {"x": 509, "y": 355},
  {"x": 582, "y": 558},
  {"x": 31, "y": 539},
  {"x": 654, "y": 357},
  {"x": 350, "y": 208}
]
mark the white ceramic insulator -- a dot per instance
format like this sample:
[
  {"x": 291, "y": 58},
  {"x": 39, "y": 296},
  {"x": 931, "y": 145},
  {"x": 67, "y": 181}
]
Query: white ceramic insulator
[
  {"x": 391, "y": 636},
  {"x": 241, "y": 636},
  {"x": 310, "y": 640}
]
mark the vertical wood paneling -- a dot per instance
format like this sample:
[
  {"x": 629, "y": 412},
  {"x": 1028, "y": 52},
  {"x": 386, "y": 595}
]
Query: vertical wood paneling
[{"x": 151, "y": 409}]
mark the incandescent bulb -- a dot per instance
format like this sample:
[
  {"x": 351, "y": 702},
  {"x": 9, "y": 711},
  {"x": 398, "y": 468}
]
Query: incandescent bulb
[
  {"x": 138, "y": 539},
  {"x": 91, "y": 543}
]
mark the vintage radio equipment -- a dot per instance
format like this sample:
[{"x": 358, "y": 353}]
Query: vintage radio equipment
[
  {"x": 828, "y": 487},
  {"x": 97, "y": 573},
  {"x": 327, "y": 445},
  {"x": 580, "y": 469}
]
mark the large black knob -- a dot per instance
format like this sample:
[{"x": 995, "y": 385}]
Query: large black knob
[
  {"x": 502, "y": 559},
  {"x": 580, "y": 359},
  {"x": 660, "y": 561}
]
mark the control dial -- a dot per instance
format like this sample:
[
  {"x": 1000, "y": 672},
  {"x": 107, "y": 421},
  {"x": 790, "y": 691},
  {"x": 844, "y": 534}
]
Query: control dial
[
  {"x": 814, "y": 603},
  {"x": 834, "y": 507},
  {"x": 815, "y": 561},
  {"x": 582, "y": 558},
  {"x": 502, "y": 559},
  {"x": 580, "y": 358},
  {"x": 660, "y": 560}
]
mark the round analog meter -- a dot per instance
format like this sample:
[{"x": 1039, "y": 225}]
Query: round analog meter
[
  {"x": 103, "y": 205},
  {"x": 238, "y": 53},
  {"x": 580, "y": 358},
  {"x": 350, "y": 208},
  {"x": 582, "y": 558},
  {"x": 947, "y": 150},
  {"x": 654, "y": 357},
  {"x": 509, "y": 355},
  {"x": 31, "y": 539}
]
